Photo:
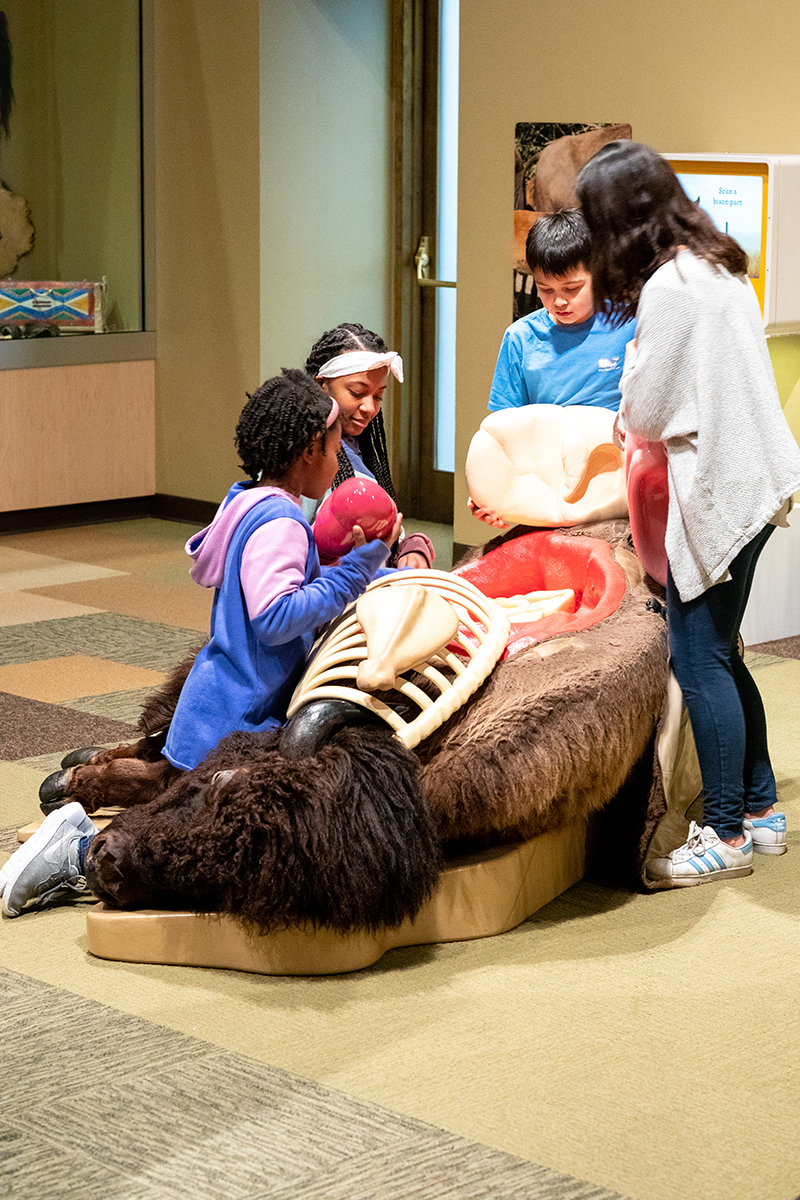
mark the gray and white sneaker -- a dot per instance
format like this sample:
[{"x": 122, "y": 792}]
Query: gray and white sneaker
[{"x": 46, "y": 866}]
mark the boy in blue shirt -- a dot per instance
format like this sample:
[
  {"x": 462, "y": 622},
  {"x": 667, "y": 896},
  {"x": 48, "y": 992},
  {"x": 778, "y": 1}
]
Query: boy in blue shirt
[{"x": 564, "y": 353}]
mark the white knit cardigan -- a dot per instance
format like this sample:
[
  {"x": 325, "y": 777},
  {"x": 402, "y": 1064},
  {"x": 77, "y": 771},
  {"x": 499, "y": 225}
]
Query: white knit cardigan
[{"x": 700, "y": 380}]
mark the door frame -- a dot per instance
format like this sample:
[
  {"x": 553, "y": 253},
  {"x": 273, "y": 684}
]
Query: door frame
[{"x": 423, "y": 492}]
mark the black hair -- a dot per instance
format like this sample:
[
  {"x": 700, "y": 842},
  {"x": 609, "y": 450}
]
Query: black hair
[
  {"x": 343, "y": 338},
  {"x": 372, "y": 442},
  {"x": 280, "y": 420},
  {"x": 559, "y": 242},
  {"x": 639, "y": 216}
]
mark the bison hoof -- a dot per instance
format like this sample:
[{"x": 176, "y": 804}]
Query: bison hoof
[
  {"x": 77, "y": 758},
  {"x": 53, "y": 791}
]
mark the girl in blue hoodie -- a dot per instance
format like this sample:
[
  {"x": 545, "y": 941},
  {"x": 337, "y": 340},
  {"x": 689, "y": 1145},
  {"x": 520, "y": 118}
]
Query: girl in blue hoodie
[{"x": 259, "y": 554}]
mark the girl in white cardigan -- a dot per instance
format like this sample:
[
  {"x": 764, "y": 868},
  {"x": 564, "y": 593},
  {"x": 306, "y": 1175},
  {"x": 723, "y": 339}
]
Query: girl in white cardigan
[{"x": 698, "y": 378}]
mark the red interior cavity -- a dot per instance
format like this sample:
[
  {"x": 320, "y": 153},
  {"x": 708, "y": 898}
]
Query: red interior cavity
[{"x": 545, "y": 561}]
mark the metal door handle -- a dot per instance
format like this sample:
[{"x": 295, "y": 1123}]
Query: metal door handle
[{"x": 422, "y": 259}]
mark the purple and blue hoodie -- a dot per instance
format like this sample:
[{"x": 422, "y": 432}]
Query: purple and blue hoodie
[{"x": 271, "y": 596}]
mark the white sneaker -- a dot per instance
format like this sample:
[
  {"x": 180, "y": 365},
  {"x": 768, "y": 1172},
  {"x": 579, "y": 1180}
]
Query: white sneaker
[
  {"x": 46, "y": 866},
  {"x": 701, "y": 859},
  {"x": 768, "y": 833}
]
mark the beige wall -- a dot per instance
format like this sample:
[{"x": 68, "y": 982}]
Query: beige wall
[
  {"x": 715, "y": 77},
  {"x": 325, "y": 172},
  {"x": 207, "y": 238},
  {"x": 272, "y": 206}
]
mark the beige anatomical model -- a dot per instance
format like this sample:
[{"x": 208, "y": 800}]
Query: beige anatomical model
[{"x": 548, "y": 465}]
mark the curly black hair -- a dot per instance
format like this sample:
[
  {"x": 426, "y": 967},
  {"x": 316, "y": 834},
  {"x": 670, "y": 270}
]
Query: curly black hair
[
  {"x": 281, "y": 418},
  {"x": 343, "y": 338}
]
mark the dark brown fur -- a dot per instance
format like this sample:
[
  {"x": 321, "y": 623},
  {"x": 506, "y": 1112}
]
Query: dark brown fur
[
  {"x": 134, "y": 772},
  {"x": 557, "y": 729},
  {"x": 159, "y": 709},
  {"x": 342, "y": 839}
]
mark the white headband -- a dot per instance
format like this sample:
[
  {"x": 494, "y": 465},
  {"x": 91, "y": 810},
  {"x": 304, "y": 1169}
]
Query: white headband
[{"x": 352, "y": 362}]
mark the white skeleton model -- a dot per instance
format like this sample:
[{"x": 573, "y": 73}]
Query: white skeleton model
[
  {"x": 416, "y": 621},
  {"x": 541, "y": 465}
]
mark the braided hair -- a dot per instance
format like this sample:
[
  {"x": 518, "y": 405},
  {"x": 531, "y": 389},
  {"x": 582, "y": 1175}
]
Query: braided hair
[
  {"x": 280, "y": 420},
  {"x": 372, "y": 442}
]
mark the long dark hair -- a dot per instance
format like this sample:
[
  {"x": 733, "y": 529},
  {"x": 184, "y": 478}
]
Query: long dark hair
[
  {"x": 639, "y": 215},
  {"x": 372, "y": 442}
]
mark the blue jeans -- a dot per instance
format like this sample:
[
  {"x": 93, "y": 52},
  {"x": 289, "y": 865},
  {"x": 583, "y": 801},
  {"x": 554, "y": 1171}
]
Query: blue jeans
[{"x": 724, "y": 704}]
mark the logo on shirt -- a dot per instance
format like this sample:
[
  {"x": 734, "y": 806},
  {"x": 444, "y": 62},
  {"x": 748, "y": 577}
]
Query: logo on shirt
[{"x": 608, "y": 364}]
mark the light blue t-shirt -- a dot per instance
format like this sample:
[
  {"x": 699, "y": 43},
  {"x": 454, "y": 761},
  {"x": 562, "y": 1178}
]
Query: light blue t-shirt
[{"x": 542, "y": 362}]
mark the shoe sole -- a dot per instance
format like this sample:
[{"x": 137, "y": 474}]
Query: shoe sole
[
  {"x": 676, "y": 881},
  {"x": 766, "y": 848}
]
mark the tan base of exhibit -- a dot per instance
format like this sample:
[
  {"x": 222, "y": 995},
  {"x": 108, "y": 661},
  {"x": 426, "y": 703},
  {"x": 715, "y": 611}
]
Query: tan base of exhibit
[
  {"x": 100, "y": 818},
  {"x": 479, "y": 896}
]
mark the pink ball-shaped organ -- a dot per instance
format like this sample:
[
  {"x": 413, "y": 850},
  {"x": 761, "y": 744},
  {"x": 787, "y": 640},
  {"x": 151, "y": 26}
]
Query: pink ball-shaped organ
[{"x": 355, "y": 502}]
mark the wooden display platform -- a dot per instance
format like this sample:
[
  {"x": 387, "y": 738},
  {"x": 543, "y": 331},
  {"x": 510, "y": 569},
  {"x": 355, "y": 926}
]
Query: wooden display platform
[
  {"x": 100, "y": 819},
  {"x": 479, "y": 896}
]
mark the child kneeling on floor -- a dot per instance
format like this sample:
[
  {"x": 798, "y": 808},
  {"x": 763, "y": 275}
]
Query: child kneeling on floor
[{"x": 271, "y": 596}]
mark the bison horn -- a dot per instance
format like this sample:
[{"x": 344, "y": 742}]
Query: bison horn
[{"x": 316, "y": 722}]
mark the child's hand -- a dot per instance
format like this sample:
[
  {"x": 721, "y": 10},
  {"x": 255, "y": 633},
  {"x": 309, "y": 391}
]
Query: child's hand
[
  {"x": 414, "y": 561},
  {"x": 486, "y": 515},
  {"x": 392, "y": 537},
  {"x": 360, "y": 538}
]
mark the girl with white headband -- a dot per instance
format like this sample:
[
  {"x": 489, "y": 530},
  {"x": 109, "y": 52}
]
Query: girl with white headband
[{"x": 353, "y": 364}]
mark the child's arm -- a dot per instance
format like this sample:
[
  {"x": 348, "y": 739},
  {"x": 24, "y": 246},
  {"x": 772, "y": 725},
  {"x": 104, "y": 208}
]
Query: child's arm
[
  {"x": 280, "y": 605},
  {"x": 508, "y": 385}
]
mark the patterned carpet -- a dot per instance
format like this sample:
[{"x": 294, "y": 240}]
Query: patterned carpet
[
  {"x": 110, "y": 1107},
  {"x": 168, "y": 1115},
  {"x": 441, "y": 1072}
]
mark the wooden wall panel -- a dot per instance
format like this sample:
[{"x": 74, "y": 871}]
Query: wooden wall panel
[{"x": 71, "y": 435}]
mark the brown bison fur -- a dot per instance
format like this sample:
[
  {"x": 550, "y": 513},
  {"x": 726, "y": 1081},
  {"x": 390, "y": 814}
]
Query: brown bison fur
[
  {"x": 159, "y": 709},
  {"x": 342, "y": 839},
  {"x": 121, "y": 779},
  {"x": 557, "y": 729},
  {"x": 134, "y": 772}
]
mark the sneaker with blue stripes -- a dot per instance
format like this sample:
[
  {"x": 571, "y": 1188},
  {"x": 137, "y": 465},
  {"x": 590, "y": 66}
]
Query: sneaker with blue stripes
[
  {"x": 701, "y": 859},
  {"x": 768, "y": 833}
]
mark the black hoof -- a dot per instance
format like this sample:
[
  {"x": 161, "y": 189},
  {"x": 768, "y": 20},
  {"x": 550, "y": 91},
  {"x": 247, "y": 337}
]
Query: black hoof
[
  {"x": 77, "y": 758},
  {"x": 53, "y": 791},
  {"x": 47, "y": 808}
]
